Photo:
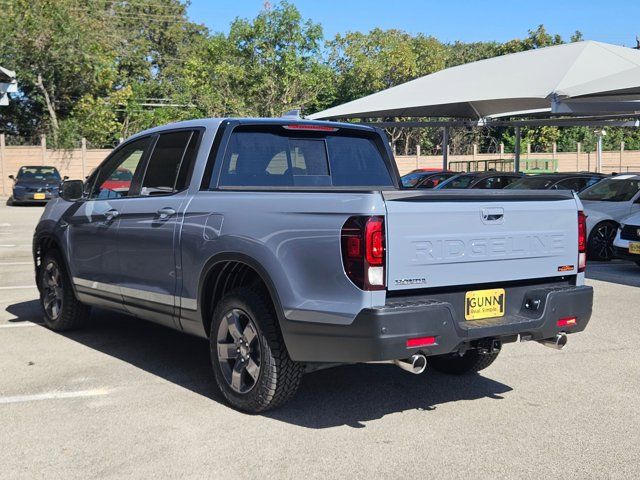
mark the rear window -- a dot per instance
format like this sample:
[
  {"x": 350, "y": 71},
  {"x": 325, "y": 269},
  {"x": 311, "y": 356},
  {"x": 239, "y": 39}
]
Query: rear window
[{"x": 275, "y": 157}]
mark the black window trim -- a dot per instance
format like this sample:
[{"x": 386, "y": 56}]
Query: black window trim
[
  {"x": 198, "y": 131},
  {"x": 220, "y": 149},
  {"x": 144, "y": 162}
]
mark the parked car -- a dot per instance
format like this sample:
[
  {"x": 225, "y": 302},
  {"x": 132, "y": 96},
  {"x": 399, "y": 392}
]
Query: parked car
[
  {"x": 291, "y": 246},
  {"x": 482, "y": 180},
  {"x": 433, "y": 179},
  {"x": 412, "y": 178},
  {"x": 120, "y": 180},
  {"x": 35, "y": 184},
  {"x": 557, "y": 181},
  {"x": 626, "y": 245},
  {"x": 606, "y": 203}
]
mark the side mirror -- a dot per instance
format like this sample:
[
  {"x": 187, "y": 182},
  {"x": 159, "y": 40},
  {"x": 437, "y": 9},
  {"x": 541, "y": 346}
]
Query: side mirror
[
  {"x": 12, "y": 178},
  {"x": 71, "y": 190},
  {"x": 65, "y": 178}
]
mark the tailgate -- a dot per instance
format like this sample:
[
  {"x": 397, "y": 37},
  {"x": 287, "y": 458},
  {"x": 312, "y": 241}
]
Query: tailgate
[{"x": 459, "y": 237}]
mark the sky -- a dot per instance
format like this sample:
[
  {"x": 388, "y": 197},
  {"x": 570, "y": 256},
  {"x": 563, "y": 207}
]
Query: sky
[{"x": 612, "y": 21}]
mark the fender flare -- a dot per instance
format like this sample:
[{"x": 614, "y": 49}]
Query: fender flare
[{"x": 250, "y": 262}]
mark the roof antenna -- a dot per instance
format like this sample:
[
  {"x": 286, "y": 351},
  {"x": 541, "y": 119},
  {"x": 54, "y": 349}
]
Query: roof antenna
[{"x": 295, "y": 113}]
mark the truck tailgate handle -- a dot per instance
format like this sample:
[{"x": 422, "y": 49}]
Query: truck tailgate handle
[
  {"x": 165, "y": 213},
  {"x": 492, "y": 215}
]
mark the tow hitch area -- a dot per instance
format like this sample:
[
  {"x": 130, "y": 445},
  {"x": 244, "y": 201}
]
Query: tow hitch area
[{"x": 489, "y": 345}]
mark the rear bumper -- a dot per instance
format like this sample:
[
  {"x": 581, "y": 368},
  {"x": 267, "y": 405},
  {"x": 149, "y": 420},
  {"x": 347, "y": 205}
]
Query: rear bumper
[{"x": 381, "y": 333}]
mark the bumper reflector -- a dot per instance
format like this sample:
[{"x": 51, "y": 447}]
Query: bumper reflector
[
  {"x": 421, "y": 342},
  {"x": 567, "y": 322}
]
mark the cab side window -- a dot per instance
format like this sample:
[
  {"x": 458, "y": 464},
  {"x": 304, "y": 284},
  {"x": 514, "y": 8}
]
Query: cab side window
[
  {"x": 114, "y": 179},
  {"x": 169, "y": 163}
]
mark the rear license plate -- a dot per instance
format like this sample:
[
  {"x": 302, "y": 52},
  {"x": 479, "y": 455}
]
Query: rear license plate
[
  {"x": 480, "y": 304},
  {"x": 634, "y": 247},
  {"x": 38, "y": 196}
]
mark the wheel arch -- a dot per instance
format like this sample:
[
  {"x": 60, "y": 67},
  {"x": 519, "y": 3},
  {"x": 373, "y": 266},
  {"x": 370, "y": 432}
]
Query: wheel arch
[{"x": 226, "y": 271}]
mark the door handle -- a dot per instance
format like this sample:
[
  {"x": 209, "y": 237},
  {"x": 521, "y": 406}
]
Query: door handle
[
  {"x": 166, "y": 212},
  {"x": 109, "y": 215}
]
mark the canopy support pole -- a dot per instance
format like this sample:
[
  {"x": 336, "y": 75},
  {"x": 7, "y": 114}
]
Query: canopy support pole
[
  {"x": 516, "y": 152},
  {"x": 445, "y": 148}
]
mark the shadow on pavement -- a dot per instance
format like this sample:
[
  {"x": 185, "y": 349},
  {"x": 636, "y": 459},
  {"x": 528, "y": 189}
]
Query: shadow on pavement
[
  {"x": 348, "y": 395},
  {"x": 615, "y": 271}
]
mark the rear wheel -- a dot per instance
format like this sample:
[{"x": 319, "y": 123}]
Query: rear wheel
[
  {"x": 600, "y": 245},
  {"x": 471, "y": 361},
  {"x": 250, "y": 361},
  {"x": 62, "y": 310}
]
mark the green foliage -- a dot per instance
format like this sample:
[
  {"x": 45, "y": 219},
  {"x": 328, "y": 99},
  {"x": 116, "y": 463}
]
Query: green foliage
[{"x": 104, "y": 69}]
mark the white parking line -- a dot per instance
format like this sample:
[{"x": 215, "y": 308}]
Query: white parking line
[
  {"x": 9, "y": 264},
  {"x": 5, "y": 224},
  {"x": 52, "y": 396},
  {"x": 17, "y": 287},
  {"x": 8, "y": 245},
  {"x": 21, "y": 324}
]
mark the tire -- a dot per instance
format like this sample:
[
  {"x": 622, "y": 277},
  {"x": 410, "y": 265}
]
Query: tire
[
  {"x": 600, "y": 245},
  {"x": 471, "y": 362},
  {"x": 62, "y": 310},
  {"x": 250, "y": 361}
]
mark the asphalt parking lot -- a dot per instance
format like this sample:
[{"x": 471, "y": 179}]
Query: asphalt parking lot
[{"x": 128, "y": 399}]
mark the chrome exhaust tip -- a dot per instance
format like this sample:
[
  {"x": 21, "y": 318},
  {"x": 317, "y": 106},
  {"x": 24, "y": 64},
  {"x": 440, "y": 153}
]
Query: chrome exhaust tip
[
  {"x": 558, "y": 342},
  {"x": 416, "y": 364}
]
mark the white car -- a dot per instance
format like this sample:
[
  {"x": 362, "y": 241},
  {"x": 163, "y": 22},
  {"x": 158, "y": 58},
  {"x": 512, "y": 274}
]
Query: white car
[
  {"x": 627, "y": 242},
  {"x": 606, "y": 203}
]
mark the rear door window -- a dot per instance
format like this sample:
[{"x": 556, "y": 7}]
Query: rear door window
[
  {"x": 170, "y": 162},
  {"x": 269, "y": 157}
]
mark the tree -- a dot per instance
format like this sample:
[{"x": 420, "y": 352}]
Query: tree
[
  {"x": 60, "y": 53},
  {"x": 280, "y": 57}
]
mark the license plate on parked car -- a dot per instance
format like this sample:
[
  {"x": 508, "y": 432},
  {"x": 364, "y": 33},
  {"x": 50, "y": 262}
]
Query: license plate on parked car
[
  {"x": 38, "y": 196},
  {"x": 634, "y": 247},
  {"x": 480, "y": 304}
]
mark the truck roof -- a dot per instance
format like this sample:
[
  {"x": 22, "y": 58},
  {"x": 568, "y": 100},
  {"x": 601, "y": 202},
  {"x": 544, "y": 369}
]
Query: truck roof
[{"x": 213, "y": 123}]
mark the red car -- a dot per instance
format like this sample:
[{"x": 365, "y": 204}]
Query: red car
[
  {"x": 119, "y": 180},
  {"x": 425, "y": 177}
]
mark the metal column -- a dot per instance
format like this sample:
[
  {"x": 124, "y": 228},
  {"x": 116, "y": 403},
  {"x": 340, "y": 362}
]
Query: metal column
[
  {"x": 445, "y": 148},
  {"x": 516, "y": 151}
]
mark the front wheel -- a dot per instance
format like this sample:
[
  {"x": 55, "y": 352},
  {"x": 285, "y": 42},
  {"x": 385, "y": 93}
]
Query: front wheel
[
  {"x": 62, "y": 310},
  {"x": 471, "y": 361},
  {"x": 250, "y": 360},
  {"x": 600, "y": 246}
]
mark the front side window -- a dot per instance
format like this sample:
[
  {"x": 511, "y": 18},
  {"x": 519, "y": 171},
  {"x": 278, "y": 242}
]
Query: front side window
[
  {"x": 114, "y": 179},
  {"x": 615, "y": 189}
]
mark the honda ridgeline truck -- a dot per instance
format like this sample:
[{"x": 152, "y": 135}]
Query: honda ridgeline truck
[{"x": 291, "y": 246}]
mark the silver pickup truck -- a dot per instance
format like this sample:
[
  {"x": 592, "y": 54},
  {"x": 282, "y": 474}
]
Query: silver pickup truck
[{"x": 292, "y": 246}]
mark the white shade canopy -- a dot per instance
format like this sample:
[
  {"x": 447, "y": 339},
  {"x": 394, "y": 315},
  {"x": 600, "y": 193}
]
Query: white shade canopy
[{"x": 575, "y": 78}]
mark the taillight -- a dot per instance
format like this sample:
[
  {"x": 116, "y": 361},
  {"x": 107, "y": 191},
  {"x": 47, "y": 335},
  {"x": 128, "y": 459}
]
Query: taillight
[
  {"x": 582, "y": 241},
  {"x": 363, "y": 251},
  {"x": 567, "y": 322}
]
